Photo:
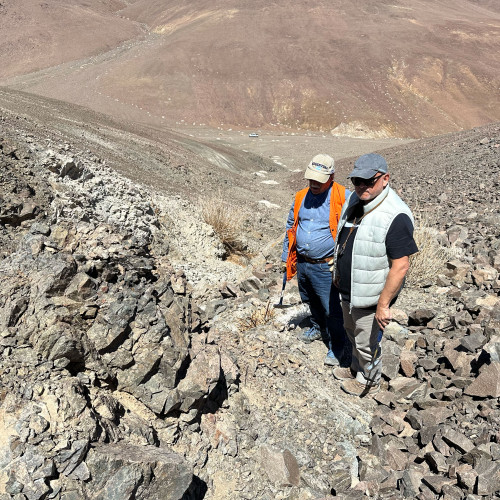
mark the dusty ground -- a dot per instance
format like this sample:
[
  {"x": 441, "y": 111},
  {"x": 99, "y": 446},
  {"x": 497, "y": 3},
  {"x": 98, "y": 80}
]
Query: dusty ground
[{"x": 292, "y": 150}]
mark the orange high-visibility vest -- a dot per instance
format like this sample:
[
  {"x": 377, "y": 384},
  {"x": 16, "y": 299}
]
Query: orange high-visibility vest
[{"x": 337, "y": 199}]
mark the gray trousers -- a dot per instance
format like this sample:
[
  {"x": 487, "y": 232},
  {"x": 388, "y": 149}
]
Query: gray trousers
[{"x": 364, "y": 333}]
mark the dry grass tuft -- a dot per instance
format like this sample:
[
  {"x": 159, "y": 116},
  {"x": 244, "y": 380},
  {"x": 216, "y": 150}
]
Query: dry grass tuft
[
  {"x": 431, "y": 257},
  {"x": 227, "y": 221},
  {"x": 259, "y": 316}
]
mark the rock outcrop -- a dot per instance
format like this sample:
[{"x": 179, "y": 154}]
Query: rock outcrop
[{"x": 98, "y": 369}]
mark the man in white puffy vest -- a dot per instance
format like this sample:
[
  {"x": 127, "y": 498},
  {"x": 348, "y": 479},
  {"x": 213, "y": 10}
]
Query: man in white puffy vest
[{"x": 373, "y": 245}]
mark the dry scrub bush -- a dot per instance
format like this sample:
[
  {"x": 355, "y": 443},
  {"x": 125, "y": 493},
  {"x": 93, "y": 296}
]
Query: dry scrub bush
[
  {"x": 227, "y": 221},
  {"x": 431, "y": 257},
  {"x": 258, "y": 316}
]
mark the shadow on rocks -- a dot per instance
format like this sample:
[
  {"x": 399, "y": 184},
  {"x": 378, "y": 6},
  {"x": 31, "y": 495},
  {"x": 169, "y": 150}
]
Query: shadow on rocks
[{"x": 197, "y": 490}]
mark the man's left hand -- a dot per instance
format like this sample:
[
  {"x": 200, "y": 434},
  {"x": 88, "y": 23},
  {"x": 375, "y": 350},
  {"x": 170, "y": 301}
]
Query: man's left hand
[
  {"x": 393, "y": 282},
  {"x": 383, "y": 316}
]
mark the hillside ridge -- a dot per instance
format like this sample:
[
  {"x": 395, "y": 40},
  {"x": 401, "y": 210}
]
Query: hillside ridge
[{"x": 399, "y": 69}]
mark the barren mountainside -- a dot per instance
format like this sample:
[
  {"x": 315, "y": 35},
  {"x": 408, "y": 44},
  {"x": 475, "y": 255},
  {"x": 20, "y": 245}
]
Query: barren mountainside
[{"x": 358, "y": 68}]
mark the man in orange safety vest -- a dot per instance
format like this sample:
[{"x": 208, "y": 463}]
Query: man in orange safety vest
[{"x": 309, "y": 246}]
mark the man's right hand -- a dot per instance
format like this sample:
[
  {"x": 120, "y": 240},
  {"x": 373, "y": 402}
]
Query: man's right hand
[
  {"x": 331, "y": 265},
  {"x": 283, "y": 266}
]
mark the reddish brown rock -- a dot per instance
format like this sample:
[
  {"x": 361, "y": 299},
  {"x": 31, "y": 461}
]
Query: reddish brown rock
[{"x": 487, "y": 384}]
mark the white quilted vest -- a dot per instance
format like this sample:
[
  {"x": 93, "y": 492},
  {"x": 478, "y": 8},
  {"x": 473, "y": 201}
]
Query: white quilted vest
[{"x": 370, "y": 264}]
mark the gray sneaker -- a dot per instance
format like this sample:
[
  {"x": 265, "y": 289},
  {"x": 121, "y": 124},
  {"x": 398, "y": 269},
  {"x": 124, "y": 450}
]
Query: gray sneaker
[
  {"x": 331, "y": 360},
  {"x": 310, "y": 335}
]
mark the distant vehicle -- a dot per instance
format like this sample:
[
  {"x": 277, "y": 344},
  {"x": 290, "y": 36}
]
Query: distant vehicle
[{"x": 253, "y": 134}]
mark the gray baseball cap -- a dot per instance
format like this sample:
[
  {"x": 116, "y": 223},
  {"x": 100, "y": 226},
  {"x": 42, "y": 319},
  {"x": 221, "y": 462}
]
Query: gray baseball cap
[{"x": 367, "y": 166}]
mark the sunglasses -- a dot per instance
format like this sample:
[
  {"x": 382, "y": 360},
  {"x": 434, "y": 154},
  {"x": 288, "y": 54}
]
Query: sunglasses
[{"x": 357, "y": 181}]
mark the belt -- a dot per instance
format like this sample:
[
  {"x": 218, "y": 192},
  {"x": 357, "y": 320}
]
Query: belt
[{"x": 316, "y": 261}]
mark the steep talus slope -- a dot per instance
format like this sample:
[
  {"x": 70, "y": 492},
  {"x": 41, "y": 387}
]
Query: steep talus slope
[
  {"x": 127, "y": 375},
  {"x": 180, "y": 165},
  {"x": 394, "y": 69}
]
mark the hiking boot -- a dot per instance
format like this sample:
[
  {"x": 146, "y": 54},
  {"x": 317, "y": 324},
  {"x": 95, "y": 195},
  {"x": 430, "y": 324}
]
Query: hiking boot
[
  {"x": 331, "y": 359},
  {"x": 310, "y": 335},
  {"x": 358, "y": 389},
  {"x": 344, "y": 373}
]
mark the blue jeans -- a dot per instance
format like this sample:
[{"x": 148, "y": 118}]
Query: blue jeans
[{"x": 317, "y": 289}]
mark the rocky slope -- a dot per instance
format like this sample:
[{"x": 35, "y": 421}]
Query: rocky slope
[{"x": 132, "y": 368}]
